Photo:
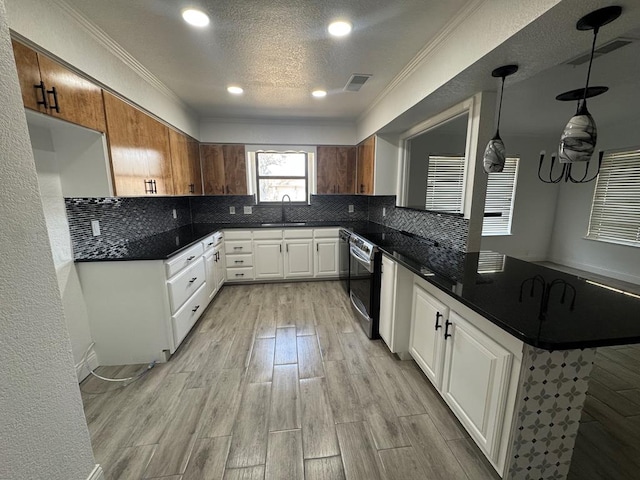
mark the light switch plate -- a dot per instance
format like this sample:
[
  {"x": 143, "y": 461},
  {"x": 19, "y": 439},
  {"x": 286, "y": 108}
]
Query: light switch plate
[
  {"x": 384, "y": 212},
  {"x": 232, "y": 210},
  {"x": 175, "y": 214},
  {"x": 95, "y": 227},
  {"x": 350, "y": 208},
  {"x": 248, "y": 210}
]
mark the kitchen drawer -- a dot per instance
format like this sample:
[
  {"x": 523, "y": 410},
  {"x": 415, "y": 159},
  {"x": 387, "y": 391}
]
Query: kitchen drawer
[
  {"x": 267, "y": 234},
  {"x": 326, "y": 232},
  {"x": 237, "y": 246},
  {"x": 237, "y": 274},
  {"x": 178, "y": 262},
  {"x": 212, "y": 240},
  {"x": 298, "y": 233},
  {"x": 242, "y": 260},
  {"x": 183, "y": 285},
  {"x": 188, "y": 315},
  {"x": 237, "y": 234}
]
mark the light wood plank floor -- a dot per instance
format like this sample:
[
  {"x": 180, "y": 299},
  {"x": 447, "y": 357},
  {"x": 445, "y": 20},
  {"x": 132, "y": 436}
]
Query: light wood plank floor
[{"x": 278, "y": 382}]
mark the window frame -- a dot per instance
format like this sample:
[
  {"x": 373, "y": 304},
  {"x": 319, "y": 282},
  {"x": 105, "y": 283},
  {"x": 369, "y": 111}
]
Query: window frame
[
  {"x": 605, "y": 169},
  {"x": 508, "y": 231},
  {"x": 282, "y": 177}
]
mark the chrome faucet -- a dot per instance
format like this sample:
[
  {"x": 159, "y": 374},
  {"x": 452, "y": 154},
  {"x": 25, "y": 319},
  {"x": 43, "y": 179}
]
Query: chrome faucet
[{"x": 285, "y": 195}]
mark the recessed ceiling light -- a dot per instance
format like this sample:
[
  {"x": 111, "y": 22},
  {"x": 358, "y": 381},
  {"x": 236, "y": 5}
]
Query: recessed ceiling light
[
  {"x": 339, "y": 28},
  {"x": 319, "y": 93},
  {"x": 194, "y": 17},
  {"x": 235, "y": 90}
]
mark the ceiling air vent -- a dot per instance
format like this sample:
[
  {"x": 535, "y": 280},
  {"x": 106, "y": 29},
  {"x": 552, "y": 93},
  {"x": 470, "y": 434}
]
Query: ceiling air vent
[
  {"x": 604, "y": 49},
  {"x": 356, "y": 82}
]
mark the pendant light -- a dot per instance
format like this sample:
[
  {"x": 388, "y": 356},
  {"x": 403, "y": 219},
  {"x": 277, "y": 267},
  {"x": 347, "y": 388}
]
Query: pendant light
[
  {"x": 579, "y": 138},
  {"x": 494, "y": 154}
]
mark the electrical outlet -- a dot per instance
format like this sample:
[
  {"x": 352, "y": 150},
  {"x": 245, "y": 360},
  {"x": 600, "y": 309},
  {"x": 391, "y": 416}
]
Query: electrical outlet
[
  {"x": 175, "y": 214},
  {"x": 232, "y": 210},
  {"x": 350, "y": 208},
  {"x": 248, "y": 210},
  {"x": 384, "y": 212},
  {"x": 95, "y": 227}
]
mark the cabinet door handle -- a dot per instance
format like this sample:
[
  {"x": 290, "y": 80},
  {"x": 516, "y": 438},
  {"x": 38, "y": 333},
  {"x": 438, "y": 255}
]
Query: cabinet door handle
[
  {"x": 193, "y": 279},
  {"x": 237, "y": 248},
  {"x": 148, "y": 189},
  {"x": 447, "y": 324},
  {"x": 43, "y": 90},
  {"x": 192, "y": 188},
  {"x": 280, "y": 248},
  {"x": 287, "y": 248},
  {"x": 317, "y": 247},
  {"x": 238, "y": 261},
  {"x": 191, "y": 258},
  {"x": 239, "y": 274},
  {"x": 227, "y": 189},
  {"x": 54, "y": 106},
  {"x": 155, "y": 187},
  {"x": 438, "y": 317},
  {"x": 362, "y": 188},
  {"x": 196, "y": 309}
]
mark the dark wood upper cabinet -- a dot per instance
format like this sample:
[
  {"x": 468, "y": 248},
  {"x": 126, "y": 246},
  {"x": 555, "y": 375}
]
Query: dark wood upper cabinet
[
  {"x": 185, "y": 164},
  {"x": 224, "y": 169},
  {"x": 139, "y": 149},
  {"x": 51, "y": 88},
  {"x": 365, "y": 166},
  {"x": 335, "y": 169}
]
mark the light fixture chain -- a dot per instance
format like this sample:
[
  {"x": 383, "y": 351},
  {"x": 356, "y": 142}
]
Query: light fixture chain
[
  {"x": 500, "y": 107},
  {"x": 593, "y": 49}
]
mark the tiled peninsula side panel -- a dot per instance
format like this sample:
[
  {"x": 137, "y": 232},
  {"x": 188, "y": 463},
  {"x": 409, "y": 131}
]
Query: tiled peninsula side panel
[
  {"x": 552, "y": 391},
  {"x": 122, "y": 219},
  {"x": 450, "y": 231},
  {"x": 215, "y": 209}
]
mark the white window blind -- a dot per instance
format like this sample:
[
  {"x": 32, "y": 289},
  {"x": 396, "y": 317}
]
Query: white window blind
[
  {"x": 501, "y": 192},
  {"x": 490, "y": 262},
  {"x": 445, "y": 184},
  {"x": 615, "y": 212}
]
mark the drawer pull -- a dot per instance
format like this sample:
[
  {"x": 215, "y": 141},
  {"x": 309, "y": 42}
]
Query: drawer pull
[
  {"x": 196, "y": 309},
  {"x": 193, "y": 279},
  {"x": 239, "y": 274},
  {"x": 438, "y": 316},
  {"x": 237, "y": 248},
  {"x": 209, "y": 244},
  {"x": 191, "y": 258},
  {"x": 238, "y": 261}
]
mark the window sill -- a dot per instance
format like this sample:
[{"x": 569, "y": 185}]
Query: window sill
[
  {"x": 497, "y": 234},
  {"x": 615, "y": 242}
]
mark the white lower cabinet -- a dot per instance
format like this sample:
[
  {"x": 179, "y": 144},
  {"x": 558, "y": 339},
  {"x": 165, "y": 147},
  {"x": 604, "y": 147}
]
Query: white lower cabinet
[
  {"x": 326, "y": 257},
  {"x": 238, "y": 255},
  {"x": 427, "y": 338},
  {"x": 472, "y": 363},
  {"x": 298, "y": 258},
  {"x": 220, "y": 266},
  {"x": 268, "y": 259},
  {"x": 475, "y": 381},
  {"x": 387, "y": 298}
]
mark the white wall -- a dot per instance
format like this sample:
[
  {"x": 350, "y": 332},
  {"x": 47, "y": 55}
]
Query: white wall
[
  {"x": 535, "y": 203},
  {"x": 568, "y": 245},
  {"x": 50, "y": 25},
  {"x": 385, "y": 172},
  {"x": 270, "y": 132},
  {"x": 44, "y": 432},
  {"x": 51, "y": 192}
]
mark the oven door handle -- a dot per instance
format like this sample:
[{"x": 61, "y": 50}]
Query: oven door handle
[
  {"x": 356, "y": 302},
  {"x": 365, "y": 261}
]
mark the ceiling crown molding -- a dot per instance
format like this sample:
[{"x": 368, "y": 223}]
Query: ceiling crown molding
[
  {"x": 431, "y": 47},
  {"x": 117, "y": 51}
]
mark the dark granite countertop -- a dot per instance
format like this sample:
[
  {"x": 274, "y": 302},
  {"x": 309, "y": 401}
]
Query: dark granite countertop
[{"x": 522, "y": 298}]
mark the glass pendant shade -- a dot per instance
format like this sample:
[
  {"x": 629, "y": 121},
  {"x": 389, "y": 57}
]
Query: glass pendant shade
[
  {"x": 494, "y": 155},
  {"x": 578, "y": 140}
]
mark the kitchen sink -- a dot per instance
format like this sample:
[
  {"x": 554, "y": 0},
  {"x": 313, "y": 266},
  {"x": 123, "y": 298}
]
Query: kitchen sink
[{"x": 285, "y": 224}]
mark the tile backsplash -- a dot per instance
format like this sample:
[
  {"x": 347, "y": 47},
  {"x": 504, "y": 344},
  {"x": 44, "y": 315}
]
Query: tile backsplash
[{"x": 124, "y": 219}]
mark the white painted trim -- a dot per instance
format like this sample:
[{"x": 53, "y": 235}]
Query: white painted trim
[
  {"x": 625, "y": 277},
  {"x": 423, "y": 55},
  {"x": 116, "y": 50},
  {"x": 467, "y": 106},
  {"x": 97, "y": 473},
  {"x": 82, "y": 371}
]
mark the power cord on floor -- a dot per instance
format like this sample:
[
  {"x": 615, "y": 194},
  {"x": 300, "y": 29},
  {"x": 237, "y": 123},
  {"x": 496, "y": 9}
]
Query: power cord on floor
[{"x": 107, "y": 379}]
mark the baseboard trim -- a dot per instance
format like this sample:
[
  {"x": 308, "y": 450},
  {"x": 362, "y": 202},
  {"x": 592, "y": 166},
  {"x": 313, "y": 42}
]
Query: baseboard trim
[
  {"x": 82, "y": 371},
  {"x": 97, "y": 473}
]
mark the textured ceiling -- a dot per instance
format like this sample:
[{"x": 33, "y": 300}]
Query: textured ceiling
[{"x": 277, "y": 50}]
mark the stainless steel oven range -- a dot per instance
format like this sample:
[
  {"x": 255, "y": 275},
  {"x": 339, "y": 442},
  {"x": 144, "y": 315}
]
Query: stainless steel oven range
[{"x": 364, "y": 283}]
